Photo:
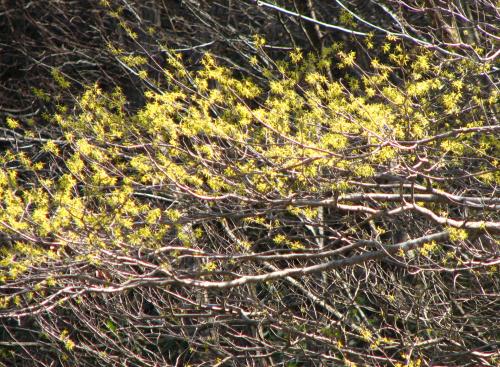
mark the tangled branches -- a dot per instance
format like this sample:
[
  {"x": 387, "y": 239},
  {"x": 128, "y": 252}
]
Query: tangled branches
[{"x": 330, "y": 207}]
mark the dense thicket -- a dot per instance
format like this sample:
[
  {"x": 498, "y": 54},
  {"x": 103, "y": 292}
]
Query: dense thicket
[{"x": 232, "y": 183}]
